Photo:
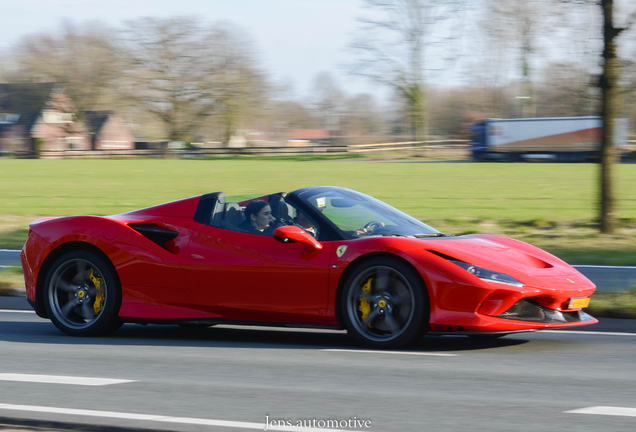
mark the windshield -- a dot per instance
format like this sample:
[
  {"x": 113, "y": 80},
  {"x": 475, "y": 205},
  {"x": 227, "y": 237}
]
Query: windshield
[{"x": 357, "y": 214}]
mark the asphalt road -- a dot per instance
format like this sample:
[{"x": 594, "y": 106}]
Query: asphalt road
[
  {"x": 231, "y": 378},
  {"x": 610, "y": 278},
  {"x": 9, "y": 257}
]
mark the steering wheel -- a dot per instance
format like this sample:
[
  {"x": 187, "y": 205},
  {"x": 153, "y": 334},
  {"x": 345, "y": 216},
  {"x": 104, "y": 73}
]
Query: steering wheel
[{"x": 372, "y": 226}]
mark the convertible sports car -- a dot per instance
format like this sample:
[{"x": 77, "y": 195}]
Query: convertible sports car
[{"x": 332, "y": 258}]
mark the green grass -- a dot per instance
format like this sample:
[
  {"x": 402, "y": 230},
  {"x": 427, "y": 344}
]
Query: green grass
[
  {"x": 517, "y": 192},
  {"x": 625, "y": 257},
  {"x": 11, "y": 278},
  {"x": 13, "y": 239},
  {"x": 291, "y": 158},
  {"x": 613, "y": 305}
]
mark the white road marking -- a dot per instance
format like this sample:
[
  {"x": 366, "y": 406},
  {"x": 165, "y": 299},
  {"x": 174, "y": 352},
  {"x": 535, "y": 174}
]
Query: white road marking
[
  {"x": 15, "y": 311},
  {"x": 57, "y": 379},
  {"x": 605, "y": 410},
  {"x": 11, "y": 250},
  {"x": 393, "y": 352},
  {"x": 4, "y": 266},
  {"x": 589, "y": 332},
  {"x": 158, "y": 418}
]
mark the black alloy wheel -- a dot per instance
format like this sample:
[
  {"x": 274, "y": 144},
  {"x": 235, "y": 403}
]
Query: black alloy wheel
[
  {"x": 82, "y": 297},
  {"x": 384, "y": 304}
]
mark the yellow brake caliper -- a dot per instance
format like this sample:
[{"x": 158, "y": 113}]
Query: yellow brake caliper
[
  {"x": 365, "y": 306},
  {"x": 99, "y": 298}
]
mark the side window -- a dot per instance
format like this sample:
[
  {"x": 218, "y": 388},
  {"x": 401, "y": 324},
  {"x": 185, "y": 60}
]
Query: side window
[{"x": 300, "y": 219}]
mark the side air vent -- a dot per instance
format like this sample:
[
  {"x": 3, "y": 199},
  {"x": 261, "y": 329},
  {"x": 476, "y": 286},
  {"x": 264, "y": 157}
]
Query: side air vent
[
  {"x": 155, "y": 233},
  {"x": 441, "y": 255}
]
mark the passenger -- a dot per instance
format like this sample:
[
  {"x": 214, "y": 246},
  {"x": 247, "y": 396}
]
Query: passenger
[{"x": 258, "y": 216}]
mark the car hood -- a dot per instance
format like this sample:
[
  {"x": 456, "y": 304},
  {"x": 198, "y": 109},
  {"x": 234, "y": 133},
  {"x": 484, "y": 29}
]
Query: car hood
[{"x": 527, "y": 263}]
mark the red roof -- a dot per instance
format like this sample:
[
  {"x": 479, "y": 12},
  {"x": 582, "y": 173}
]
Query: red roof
[{"x": 309, "y": 134}]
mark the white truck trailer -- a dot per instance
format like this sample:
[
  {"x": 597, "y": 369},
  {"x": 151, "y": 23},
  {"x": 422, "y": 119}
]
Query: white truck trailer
[{"x": 565, "y": 139}]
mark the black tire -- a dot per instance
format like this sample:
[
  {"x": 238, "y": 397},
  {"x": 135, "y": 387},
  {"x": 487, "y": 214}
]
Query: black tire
[
  {"x": 82, "y": 297},
  {"x": 384, "y": 305}
]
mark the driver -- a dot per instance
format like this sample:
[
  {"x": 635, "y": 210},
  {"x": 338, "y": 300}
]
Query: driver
[
  {"x": 369, "y": 228},
  {"x": 302, "y": 221}
]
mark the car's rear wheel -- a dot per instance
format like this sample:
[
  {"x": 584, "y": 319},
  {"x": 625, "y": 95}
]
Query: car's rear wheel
[
  {"x": 384, "y": 305},
  {"x": 81, "y": 295}
]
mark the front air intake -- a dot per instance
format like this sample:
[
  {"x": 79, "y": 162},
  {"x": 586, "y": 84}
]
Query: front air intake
[
  {"x": 530, "y": 310},
  {"x": 525, "y": 310}
]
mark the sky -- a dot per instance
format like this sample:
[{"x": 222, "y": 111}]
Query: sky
[{"x": 296, "y": 39}]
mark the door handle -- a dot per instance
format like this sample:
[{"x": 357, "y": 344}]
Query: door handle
[{"x": 197, "y": 257}]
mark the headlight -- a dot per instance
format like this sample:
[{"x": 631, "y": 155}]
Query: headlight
[{"x": 488, "y": 275}]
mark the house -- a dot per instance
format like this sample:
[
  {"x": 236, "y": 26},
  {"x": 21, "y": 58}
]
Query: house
[
  {"x": 108, "y": 132},
  {"x": 39, "y": 117},
  {"x": 302, "y": 137}
]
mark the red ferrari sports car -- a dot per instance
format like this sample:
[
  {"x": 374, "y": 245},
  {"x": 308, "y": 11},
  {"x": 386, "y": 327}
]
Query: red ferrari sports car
[{"x": 320, "y": 256}]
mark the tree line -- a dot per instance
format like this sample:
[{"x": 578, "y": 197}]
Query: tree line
[{"x": 184, "y": 79}]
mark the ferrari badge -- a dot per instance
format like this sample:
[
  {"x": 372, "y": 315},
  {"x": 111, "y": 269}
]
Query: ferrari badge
[{"x": 341, "y": 250}]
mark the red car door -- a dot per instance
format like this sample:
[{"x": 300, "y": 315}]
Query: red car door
[{"x": 254, "y": 277}]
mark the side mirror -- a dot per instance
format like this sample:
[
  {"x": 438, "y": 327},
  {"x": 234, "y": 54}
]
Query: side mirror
[{"x": 289, "y": 234}]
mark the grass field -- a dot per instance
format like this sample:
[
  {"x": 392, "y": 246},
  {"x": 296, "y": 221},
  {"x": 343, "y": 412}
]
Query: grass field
[
  {"x": 550, "y": 205},
  {"x": 10, "y": 278},
  {"x": 613, "y": 305}
]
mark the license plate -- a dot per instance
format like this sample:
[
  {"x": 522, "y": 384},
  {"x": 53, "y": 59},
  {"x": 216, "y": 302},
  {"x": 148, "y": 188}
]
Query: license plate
[{"x": 579, "y": 302}]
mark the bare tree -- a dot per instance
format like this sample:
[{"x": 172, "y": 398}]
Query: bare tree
[
  {"x": 363, "y": 116},
  {"x": 521, "y": 17},
  {"x": 608, "y": 83},
  {"x": 328, "y": 102},
  {"x": 517, "y": 25},
  {"x": 391, "y": 45},
  {"x": 84, "y": 58},
  {"x": 491, "y": 69},
  {"x": 566, "y": 88},
  {"x": 183, "y": 71},
  {"x": 240, "y": 87}
]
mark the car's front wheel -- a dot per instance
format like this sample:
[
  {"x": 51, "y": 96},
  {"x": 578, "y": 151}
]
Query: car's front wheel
[
  {"x": 82, "y": 297},
  {"x": 384, "y": 304}
]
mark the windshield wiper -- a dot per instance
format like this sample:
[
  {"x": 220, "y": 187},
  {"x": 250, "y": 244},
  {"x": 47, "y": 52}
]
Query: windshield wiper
[{"x": 424, "y": 235}]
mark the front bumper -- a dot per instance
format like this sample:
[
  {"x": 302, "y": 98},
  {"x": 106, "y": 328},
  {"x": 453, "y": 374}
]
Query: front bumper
[{"x": 482, "y": 324}]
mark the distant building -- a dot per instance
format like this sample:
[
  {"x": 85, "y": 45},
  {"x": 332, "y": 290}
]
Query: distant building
[
  {"x": 303, "y": 137},
  {"x": 108, "y": 132},
  {"x": 38, "y": 117}
]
